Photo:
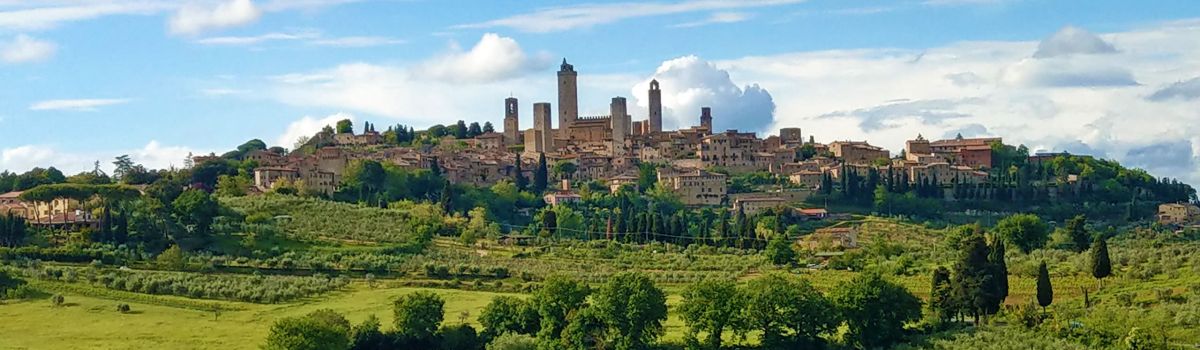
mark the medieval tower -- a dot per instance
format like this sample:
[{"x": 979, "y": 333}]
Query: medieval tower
[
  {"x": 655, "y": 108},
  {"x": 620, "y": 125},
  {"x": 706, "y": 119},
  {"x": 511, "y": 127},
  {"x": 541, "y": 125},
  {"x": 568, "y": 99}
]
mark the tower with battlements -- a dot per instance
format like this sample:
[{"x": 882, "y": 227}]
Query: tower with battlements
[
  {"x": 568, "y": 98},
  {"x": 512, "y": 129},
  {"x": 655, "y": 116}
]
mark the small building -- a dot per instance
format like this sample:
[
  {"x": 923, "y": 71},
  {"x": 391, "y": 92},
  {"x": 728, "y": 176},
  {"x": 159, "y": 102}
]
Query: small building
[
  {"x": 695, "y": 187},
  {"x": 1178, "y": 214},
  {"x": 812, "y": 214},
  {"x": 615, "y": 183},
  {"x": 810, "y": 179},
  {"x": 563, "y": 195},
  {"x": 754, "y": 206}
]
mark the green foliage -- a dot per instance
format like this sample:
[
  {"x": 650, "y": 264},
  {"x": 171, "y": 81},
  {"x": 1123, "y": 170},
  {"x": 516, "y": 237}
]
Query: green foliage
[
  {"x": 941, "y": 299},
  {"x": 1026, "y": 231},
  {"x": 632, "y": 308},
  {"x": 788, "y": 311},
  {"x": 557, "y": 298},
  {"x": 1101, "y": 264},
  {"x": 1045, "y": 291},
  {"x": 418, "y": 315},
  {"x": 13, "y": 230},
  {"x": 513, "y": 341},
  {"x": 310, "y": 219},
  {"x": 195, "y": 210},
  {"x": 507, "y": 314},
  {"x": 171, "y": 259},
  {"x": 870, "y": 325},
  {"x": 779, "y": 250},
  {"x": 459, "y": 337},
  {"x": 345, "y": 126},
  {"x": 1076, "y": 229},
  {"x": 540, "y": 174},
  {"x": 319, "y": 330},
  {"x": 232, "y": 186},
  {"x": 248, "y": 288},
  {"x": 711, "y": 307}
]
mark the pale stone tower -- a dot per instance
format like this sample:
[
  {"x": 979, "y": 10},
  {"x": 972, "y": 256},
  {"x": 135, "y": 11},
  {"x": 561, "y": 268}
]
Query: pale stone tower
[
  {"x": 568, "y": 98},
  {"x": 511, "y": 127},
  {"x": 620, "y": 125},
  {"x": 706, "y": 118},
  {"x": 541, "y": 123},
  {"x": 655, "y": 108}
]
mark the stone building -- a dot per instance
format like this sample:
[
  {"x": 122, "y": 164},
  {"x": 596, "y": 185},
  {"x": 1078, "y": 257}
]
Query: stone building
[
  {"x": 655, "y": 116},
  {"x": 568, "y": 98},
  {"x": 737, "y": 151},
  {"x": 1178, "y": 214},
  {"x": 695, "y": 186},
  {"x": 856, "y": 152},
  {"x": 512, "y": 116},
  {"x": 756, "y": 205}
]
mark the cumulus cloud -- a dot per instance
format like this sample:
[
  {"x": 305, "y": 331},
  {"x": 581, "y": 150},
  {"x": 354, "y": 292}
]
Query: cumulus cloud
[
  {"x": 196, "y": 18},
  {"x": 1184, "y": 90},
  {"x": 24, "y": 48},
  {"x": 83, "y": 105},
  {"x": 493, "y": 58},
  {"x": 1084, "y": 103},
  {"x": 689, "y": 83},
  {"x": 307, "y": 127},
  {"x": 1073, "y": 41}
]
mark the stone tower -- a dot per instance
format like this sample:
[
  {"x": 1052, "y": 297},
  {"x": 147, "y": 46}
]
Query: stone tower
[
  {"x": 706, "y": 118},
  {"x": 620, "y": 125},
  {"x": 511, "y": 127},
  {"x": 655, "y": 108},
  {"x": 568, "y": 98},
  {"x": 541, "y": 123}
]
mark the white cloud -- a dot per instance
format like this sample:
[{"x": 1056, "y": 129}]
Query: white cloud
[
  {"x": 1073, "y": 41},
  {"x": 24, "y": 48},
  {"x": 307, "y": 127},
  {"x": 256, "y": 39},
  {"x": 358, "y": 41},
  {"x": 153, "y": 155},
  {"x": 194, "y": 18},
  {"x": 1183, "y": 90},
  {"x": 30, "y": 15},
  {"x": 75, "y": 104},
  {"x": 562, "y": 18},
  {"x": 689, "y": 83},
  {"x": 493, "y": 58},
  {"x": 1079, "y": 101},
  {"x": 717, "y": 18}
]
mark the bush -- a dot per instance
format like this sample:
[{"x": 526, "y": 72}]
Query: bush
[
  {"x": 57, "y": 300},
  {"x": 513, "y": 341},
  {"x": 123, "y": 308}
]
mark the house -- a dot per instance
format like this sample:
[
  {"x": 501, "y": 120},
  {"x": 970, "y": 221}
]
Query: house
[
  {"x": 615, "y": 183},
  {"x": 812, "y": 214},
  {"x": 563, "y": 195},
  {"x": 1178, "y": 214},
  {"x": 756, "y": 205},
  {"x": 694, "y": 187}
]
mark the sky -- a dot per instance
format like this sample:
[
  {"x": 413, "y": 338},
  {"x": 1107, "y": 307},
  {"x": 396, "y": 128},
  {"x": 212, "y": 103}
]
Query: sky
[{"x": 88, "y": 80}]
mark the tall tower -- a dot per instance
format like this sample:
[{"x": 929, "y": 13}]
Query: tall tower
[
  {"x": 541, "y": 123},
  {"x": 706, "y": 118},
  {"x": 568, "y": 98},
  {"x": 511, "y": 127},
  {"x": 620, "y": 125},
  {"x": 655, "y": 107}
]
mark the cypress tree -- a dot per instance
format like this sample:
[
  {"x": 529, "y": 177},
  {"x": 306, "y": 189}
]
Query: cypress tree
[
  {"x": 1101, "y": 265},
  {"x": 1077, "y": 231},
  {"x": 540, "y": 174},
  {"x": 999, "y": 273},
  {"x": 940, "y": 299},
  {"x": 1045, "y": 292},
  {"x": 520, "y": 179}
]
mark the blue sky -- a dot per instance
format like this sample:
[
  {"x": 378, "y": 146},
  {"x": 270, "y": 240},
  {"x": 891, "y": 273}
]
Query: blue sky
[{"x": 87, "y": 80}]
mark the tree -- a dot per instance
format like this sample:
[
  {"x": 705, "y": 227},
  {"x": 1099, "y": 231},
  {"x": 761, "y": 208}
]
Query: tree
[
  {"x": 195, "y": 209},
  {"x": 519, "y": 176},
  {"x": 549, "y": 223},
  {"x": 319, "y": 330},
  {"x": 558, "y": 297},
  {"x": 232, "y": 186},
  {"x": 875, "y": 309},
  {"x": 633, "y": 308},
  {"x": 12, "y": 230},
  {"x": 171, "y": 259},
  {"x": 123, "y": 166},
  {"x": 1026, "y": 231},
  {"x": 1101, "y": 265},
  {"x": 418, "y": 315},
  {"x": 540, "y": 174},
  {"x": 1045, "y": 292},
  {"x": 585, "y": 331},
  {"x": 367, "y": 336},
  {"x": 474, "y": 130},
  {"x": 487, "y": 127},
  {"x": 459, "y": 337},
  {"x": 998, "y": 277},
  {"x": 1077, "y": 231},
  {"x": 478, "y": 227},
  {"x": 345, "y": 126},
  {"x": 789, "y": 312},
  {"x": 972, "y": 289},
  {"x": 712, "y": 306},
  {"x": 564, "y": 169},
  {"x": 507, "y": 314},
  {"x": 779, "y": 250},
  {"x": 941, "y": 300}
]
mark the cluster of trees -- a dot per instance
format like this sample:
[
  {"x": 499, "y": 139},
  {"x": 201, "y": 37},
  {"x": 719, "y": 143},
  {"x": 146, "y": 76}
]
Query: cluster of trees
[
  {"x": 979, "y": 282},
  {"x": 12, "y": 230},
  {"x": 626, "y": 313},
  {"x": 247, "y": 288}
]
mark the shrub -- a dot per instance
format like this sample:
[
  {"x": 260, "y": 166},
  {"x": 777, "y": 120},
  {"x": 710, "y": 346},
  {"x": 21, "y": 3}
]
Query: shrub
[
  {"x": 123, "y": 308},
  {"x": 57, "y": 300}
]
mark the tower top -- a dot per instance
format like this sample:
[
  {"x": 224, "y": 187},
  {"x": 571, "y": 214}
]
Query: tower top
[
  {"x": 653, "y": 84},
  {"x": 566, "y": 67}
]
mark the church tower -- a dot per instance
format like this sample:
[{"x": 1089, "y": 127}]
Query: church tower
[
  {"x": 706, "y": 119},
  {"x": 655, "y": 108},
  {"x": 568, "y": 99},
  {"x": 511, "y": 128}
]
